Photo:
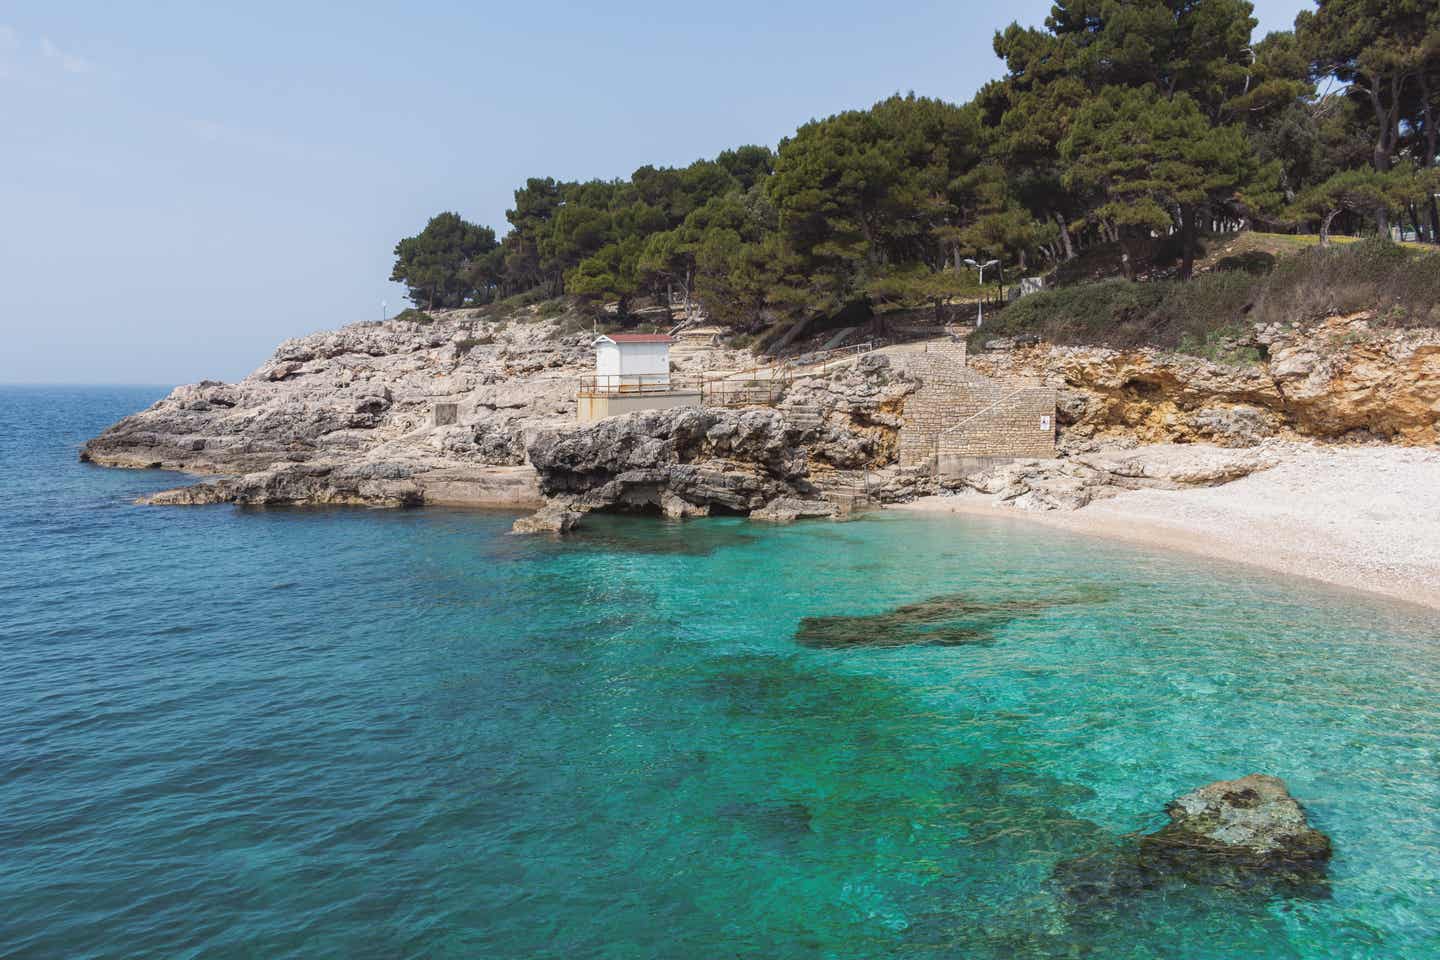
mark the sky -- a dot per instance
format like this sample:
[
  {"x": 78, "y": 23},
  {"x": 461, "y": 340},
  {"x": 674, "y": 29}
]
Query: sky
[{"x": 184, "y": 185}]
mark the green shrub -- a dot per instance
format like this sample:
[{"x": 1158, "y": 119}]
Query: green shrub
[
  {"x": 1213, "y": 314},
  {"x": 411, "y": 315},
  {"x": 1401, "y": 286},
  {"x": 1089, "y": 313},
  {"x": 463, "y": 347}
]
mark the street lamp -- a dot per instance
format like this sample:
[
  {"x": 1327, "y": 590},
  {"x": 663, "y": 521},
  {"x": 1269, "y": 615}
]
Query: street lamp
[{"x": 982, "y": 267}]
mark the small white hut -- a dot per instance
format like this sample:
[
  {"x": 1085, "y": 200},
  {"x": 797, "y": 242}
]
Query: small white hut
[
  {"x": 632, "y": 362},
  {"x": 632, "y": 372}
]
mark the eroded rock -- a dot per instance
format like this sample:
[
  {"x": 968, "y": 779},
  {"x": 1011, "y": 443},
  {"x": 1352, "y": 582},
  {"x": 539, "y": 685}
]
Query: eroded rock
[
  {"x": 789, "y": 509},
  {"x": 1335, "y": 379},
  {"x": 1249, "y": 824},
  {"x": 1075, "y": 481}
]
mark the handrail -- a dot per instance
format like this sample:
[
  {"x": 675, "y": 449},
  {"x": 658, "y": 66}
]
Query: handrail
[
  {"x": 826, "y": 357},
  {"x": 984, "y": 410},
  {"x": 935, "y": 445},
  {"x": 628, "y": 383}
]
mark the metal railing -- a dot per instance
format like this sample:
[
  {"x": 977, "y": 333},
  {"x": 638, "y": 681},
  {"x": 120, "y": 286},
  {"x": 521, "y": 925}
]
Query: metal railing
[
  {"x": 826, "y": 357},
  {"x": 739, "y": 393},
  {"x": 607, "y": 384},
  {"x": 940, "y": 437}
]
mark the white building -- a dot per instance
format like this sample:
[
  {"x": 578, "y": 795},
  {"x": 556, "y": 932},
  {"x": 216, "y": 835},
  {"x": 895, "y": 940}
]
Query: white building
[
  {"x": 632, "y": 372},
  {"x": 632, "y": 362}
]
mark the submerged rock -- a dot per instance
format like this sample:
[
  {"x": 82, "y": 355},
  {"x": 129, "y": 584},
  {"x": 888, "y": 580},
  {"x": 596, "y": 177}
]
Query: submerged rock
[
  {"x": 947, "y": 621},
  {"x": 1247, "y": 824},
  {"x": 1246, "y": 835}
]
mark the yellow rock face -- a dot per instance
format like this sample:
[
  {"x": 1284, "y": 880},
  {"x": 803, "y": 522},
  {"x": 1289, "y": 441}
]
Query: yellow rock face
[{"x": 1338, "y": 379}]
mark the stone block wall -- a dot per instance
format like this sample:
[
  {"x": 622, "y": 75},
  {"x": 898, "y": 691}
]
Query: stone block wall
[
  {"x": 958, "y": 412},
  {"x": 1021, "y": 425}
]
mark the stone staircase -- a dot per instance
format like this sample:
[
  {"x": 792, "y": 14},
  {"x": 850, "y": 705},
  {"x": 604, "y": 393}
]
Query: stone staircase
[
  {"x": 849, "y": 490},
  {"x": 691, "y": 342}
]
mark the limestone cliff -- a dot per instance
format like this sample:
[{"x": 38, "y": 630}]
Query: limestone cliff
[
  {"x": 1342, "y": 379},
  {"x": 349, "y": 416}
]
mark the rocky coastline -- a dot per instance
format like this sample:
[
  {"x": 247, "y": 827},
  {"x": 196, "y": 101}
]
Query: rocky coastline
[{"x": 480, "y": 411}]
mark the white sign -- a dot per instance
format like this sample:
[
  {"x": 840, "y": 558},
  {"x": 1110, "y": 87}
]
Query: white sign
[{"x": 1044, "y": 423}]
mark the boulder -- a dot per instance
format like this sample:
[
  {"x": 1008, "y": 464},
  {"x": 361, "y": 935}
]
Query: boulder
[
  {"x": 684, "y": 461},
  {"x": 1246, "y": 835},
  {"x": 790, "y": 509},
  {"x": 552, "y": 518},
  {"x": 1249, "y": 824}
]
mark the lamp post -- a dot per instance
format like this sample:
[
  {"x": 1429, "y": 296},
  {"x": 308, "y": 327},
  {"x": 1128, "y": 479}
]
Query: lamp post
[
  {"x": 384, "y": 310},
  {"x": 982, "y": 267}
]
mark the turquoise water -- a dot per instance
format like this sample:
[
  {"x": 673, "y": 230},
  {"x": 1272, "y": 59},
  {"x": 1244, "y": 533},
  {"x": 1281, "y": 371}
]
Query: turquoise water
[{"x": 289, "y": 733}]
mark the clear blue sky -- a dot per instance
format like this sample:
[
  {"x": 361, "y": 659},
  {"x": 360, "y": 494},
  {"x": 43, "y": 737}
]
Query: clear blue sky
[{"x": 183, "y": 186}]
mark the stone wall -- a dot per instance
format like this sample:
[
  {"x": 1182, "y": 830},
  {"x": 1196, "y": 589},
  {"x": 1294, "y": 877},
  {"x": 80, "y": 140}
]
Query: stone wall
[
  {"x": 1020, "y": 424},
  {"x": 959, "y": 412}
]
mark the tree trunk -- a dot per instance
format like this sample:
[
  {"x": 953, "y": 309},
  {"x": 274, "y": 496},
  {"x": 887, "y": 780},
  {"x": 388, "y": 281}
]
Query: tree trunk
[
  {"x": 1065, "y": 238},
  {"x": 1187, "y": 243},
  {"x": 1325, "y": 227},
  {"x": 1127, "y": 262}
]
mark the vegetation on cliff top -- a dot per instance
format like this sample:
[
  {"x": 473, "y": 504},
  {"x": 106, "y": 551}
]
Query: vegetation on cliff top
[
  {"x": 1115, "y": 124},
  {"x": 1208, "y": 315}
]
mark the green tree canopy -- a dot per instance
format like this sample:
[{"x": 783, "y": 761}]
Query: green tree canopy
[
  {"x": 447, "y": 263},
  {"x": 1157, "y": 163}
]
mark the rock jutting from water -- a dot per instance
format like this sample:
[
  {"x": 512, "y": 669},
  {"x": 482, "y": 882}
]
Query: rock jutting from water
[
  {"x": 686, "y": 462},
  {"x": 1231, "y": 827},
  {"x": 1248, "y": 834}
]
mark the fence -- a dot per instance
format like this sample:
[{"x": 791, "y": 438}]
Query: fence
[{"x": 626, "y": 383}]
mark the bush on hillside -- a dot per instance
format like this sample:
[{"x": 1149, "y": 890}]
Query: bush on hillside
[
  {"x": 1402, "y": 286},
  {"x": 1206, "y": 315}
]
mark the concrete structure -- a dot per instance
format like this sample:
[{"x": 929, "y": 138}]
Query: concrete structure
[
  {"x": 447, "y": 414},
  {"x": 632, "y": 372},
  {"x": 598, "y": 406},
  {"x": 960, "y": 421}
]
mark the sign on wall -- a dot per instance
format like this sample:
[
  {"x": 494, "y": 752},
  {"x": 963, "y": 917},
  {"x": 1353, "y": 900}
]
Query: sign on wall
[{"x": 1044, "y": 423}]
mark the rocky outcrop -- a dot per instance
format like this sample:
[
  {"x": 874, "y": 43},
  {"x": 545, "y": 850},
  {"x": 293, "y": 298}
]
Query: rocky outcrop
[
  {"x": 692, "y": 461},
  {"x": 789, "y": 509},
  {"x": 350, "y": 416},
  {"x": 1249, "y": 824},
  {"x": 685, "y": 461},
  {"x": 855, "y": 413},
  {"x": 1075, "y": 481},
  {"x": 1341, "y": 379}
]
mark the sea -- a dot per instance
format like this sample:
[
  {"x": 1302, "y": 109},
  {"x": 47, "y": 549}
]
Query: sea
[{"x": 238, "y": 732}]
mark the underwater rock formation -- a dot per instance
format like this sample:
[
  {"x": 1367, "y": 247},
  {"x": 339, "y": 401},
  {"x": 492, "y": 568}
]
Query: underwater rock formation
[
  {"x": 948, "y": 621},
  {"x": 1248, "y": 834},
  {"x": 1231, "y": 826}
]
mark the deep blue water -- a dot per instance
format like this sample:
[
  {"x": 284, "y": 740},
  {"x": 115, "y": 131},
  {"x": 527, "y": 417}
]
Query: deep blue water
[{"x": 357, "y": 733}]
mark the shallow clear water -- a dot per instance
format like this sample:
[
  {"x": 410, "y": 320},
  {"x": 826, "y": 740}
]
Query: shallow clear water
[{"x": 362, "y": 733}]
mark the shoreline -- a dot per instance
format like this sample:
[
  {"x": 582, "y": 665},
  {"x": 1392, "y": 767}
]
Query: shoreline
[{"x": 1311, "y": 517}]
